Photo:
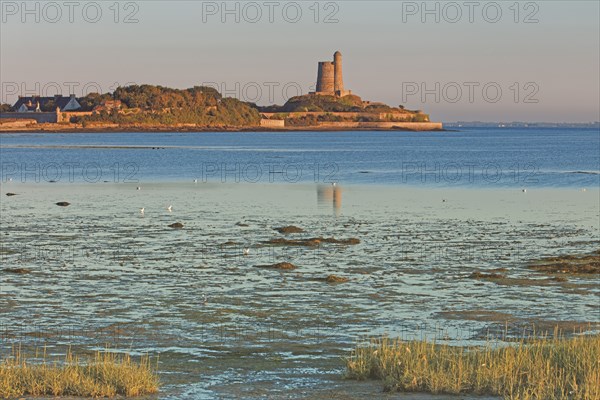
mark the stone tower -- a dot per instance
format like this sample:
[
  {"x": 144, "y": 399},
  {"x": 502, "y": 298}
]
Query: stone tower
[
  {"x": 338, "y": 78},
  {"x": 326, "y": 78},
  {"x": 330, "y": 80}
]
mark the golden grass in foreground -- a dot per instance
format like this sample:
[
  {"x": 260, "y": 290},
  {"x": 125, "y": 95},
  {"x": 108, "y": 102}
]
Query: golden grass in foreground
[
  {"x": 543, "y": 368},
  {"x": 104, "y": 375}
]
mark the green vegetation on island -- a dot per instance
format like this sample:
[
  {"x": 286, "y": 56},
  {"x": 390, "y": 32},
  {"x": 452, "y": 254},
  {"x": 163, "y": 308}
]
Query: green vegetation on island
[
  {"x": 153, "y": 106},
  {"x": 318, "y": 103},
  {"x": 156, "y": 105}
]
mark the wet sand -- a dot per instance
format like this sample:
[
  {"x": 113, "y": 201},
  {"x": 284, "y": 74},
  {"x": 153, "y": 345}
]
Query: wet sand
[{"x": 98, "y": 271}]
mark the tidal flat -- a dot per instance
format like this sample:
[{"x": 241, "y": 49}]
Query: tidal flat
[{"x": 99, "y": 272}]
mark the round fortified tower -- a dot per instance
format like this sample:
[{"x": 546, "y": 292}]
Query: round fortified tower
[
  {"x": 326, "y": 77},
  {"x": 338, "y": 77}
]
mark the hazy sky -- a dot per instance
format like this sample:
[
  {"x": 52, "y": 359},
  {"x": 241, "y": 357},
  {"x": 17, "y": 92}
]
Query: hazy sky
[{"x": 542, "y": 56}]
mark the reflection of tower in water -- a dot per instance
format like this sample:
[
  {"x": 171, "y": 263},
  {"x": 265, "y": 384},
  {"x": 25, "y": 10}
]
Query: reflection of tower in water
[{"x": 328, "y": 196}]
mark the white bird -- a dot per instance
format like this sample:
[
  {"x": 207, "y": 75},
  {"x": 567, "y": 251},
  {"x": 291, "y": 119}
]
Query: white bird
[
  {"x": 204, "y": 299},
  {"x": 524, "y": 190},
  {"x": 142, "y": 210},
  {"x": 195, "y": 180},
  {"x": 170, "y": 208},
  {"x": 584, "y": 190},
  {"x": 138, "y": 188},
  {"x": 333, "y": 183},
  {"x": 246, "y": 251}
]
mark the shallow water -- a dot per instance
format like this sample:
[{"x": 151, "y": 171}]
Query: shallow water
[
  {"x": 101, "y": 272},
  {"x": 474, "y": 157}
]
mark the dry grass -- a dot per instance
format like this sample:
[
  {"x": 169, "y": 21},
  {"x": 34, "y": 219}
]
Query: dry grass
[
  {"x": 105, "y": 374},
  {"x": 549, "y": 367}
]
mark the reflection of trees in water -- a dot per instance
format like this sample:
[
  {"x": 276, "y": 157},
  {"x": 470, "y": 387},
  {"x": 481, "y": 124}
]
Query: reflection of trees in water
[{"x": 330, "y": 195}]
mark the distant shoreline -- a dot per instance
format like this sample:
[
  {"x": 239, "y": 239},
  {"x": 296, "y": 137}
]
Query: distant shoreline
[{"x": 206, "y": 130}]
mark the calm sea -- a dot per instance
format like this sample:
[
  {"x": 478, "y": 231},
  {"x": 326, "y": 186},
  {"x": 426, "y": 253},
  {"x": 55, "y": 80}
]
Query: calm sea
[{"x": 474, "y": 157}]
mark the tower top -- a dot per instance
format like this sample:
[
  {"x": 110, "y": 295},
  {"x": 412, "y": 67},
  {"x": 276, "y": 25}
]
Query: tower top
[{"x": 337, "y": 54}]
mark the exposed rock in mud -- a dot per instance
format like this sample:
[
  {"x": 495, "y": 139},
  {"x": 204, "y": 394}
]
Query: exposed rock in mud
[
  {"x": 16, "y": 270},
  {"x": 286, "y": 230},
  {"x": 483, "y": 275},
  {"x": 350, "y": 241},
  {"x": 312, "y": 242},
  {"x": 569, "y": 264},
  {"x": 336, "y": 279},
  {"x": 241, "y": 224},
  {"x": 11, "y": 194},
  {"x": 500, "y": 279},
  {"x": 176, "y": 225},
  {"x": 287, "y": 242},
  {"x": 280, "y": 266},
  {"x": 63, "y": 204}
]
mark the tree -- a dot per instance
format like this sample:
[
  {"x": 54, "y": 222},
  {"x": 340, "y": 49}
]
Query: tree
[
  {"x": 93, "y": 100},
  {"x": 48, "y": 106},
  {"x": 5, "y": 108}
]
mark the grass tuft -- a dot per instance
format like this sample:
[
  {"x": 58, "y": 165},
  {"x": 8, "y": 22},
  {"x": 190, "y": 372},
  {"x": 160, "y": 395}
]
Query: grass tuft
[
  {"x": 548, "y": 367},
  {"x": 105, "y": 374}
]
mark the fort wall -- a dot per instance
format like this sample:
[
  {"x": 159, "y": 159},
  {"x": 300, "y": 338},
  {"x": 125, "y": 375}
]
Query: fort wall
[
  {"x": 272, "y": 123},
  {"x": 412, "y": 126},
  {"x": 347, "y": 115},
  {"x": 39, "y": 117}
]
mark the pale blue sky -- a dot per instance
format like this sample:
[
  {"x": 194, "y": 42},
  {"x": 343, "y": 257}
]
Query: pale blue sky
[{"x": 387, "y": 50}]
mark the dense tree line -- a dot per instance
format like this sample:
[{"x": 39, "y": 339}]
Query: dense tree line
[{"x": 157, "y": 105}]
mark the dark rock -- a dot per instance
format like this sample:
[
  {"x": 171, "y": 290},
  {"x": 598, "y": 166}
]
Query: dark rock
[
  {"x": 280, "y": 266},
  {"x": 312, "y": 242},
  {"x": 242, "y": 224},
  {"x": 176, "y": 225},
  {"x": 63, "y": 204},
  {"x": 16, "y": 270},
  {"x": 336, "y": 279},
  {"x": 483, "y": 275},
  {"x": 289, "y": 229},
  {"x": 11, "y": 194},
  {"x": 350, "y": 241},
  {"x": 287, "y": 242},
  {"x": 569, "y": 264}
]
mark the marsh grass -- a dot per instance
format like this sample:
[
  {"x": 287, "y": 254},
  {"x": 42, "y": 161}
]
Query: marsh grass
[
  {"x": 105, "y": 374},
  {"x": 547, "y": 367}
]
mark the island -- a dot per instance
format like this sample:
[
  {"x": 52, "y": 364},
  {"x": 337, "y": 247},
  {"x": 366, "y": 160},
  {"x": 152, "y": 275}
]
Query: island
[{"x": 201, "y": 108}]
